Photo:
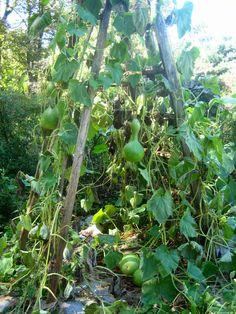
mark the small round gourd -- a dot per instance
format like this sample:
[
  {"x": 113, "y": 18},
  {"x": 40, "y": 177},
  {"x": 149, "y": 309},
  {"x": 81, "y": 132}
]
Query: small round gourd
[
  {"x": 129, "y": 264},
  {"x": 137, "y": 277},
  {"x": 49, "y": 119},
  {"x": 133, "y": 151}
]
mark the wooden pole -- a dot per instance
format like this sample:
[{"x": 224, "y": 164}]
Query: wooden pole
[
  {"x": 176, "y": 90},
  {"x": 78, "y": 157}
]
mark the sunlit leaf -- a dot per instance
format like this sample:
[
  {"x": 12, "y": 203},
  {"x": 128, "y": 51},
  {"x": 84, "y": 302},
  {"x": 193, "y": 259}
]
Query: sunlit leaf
[
  {"x": 227, "y": 257},
  {"x": 195, "y": 272},
  {"x": 168, "y": 259},
  {"x": 78, "y": 93},
  {"x": 68, "y": 135},
  {"x": 124, "y": 23},
  {"x": 188, "y": 225},
  {"x": 149, "y": 265},
  {"x": 64, "y": 68},
  {"x": 212, "y": 83},
  {"x": 161, "y": 205},
  {"x": 40, "y": 23},
  {"x": 3, "y": 244},
  {"x": 93, "y": 7},
  {"x": 184, "y": 16},
  {"x": 44, "y": 232},
  {"x": 112, "y": 259},
  {"x": 26, "y": 222},
  {"x": 191, "y": 140},
  {"x": 86, "y": 15},
  {"x": 119, "y": 51},
  {"x": 140, "y": 18},
  {"x": 186, "y": 62},
  {"x": 6, "y": 264}
]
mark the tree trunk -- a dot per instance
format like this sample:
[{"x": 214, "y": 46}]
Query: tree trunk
[
  {"x": 176, "y": 91},
  {"x": 78, "y": 158}
]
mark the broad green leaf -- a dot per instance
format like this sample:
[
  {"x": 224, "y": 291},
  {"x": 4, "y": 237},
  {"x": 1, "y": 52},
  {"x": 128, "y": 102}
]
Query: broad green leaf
[
  {"x": 115, "y": 2},
  {"x": 68, "y": 290},
  {"x": 144, "y": 173},
  {"x": 28, "y": 259},
  {"x": 129, "y": 192},
  {"x": 44, "y": 232},
  {"x": 186, "y": 62},
  {"x": 228, "y": 164},
  {"x": 6, "y": 264},
  {"x": 3, "y": 244},
  {"x": 73, "y": 29},
  {"x": 119, "y": 51},
  {"x": 161, "y": 205},
  {"x": 99, "y": 217},
  {"x": 191, "y": 140},
  {"x": 227, "y": 257},
  {"x": 155, "y": 289},
  {"x": 115, "y": 71},
  {"x": 45, "y": 2},
  {"x": 136, "y": 200},
  {"x": 34, "y": 232},
  {"x": 154, "y": 232},
  {"x": 93, "y": 7},
  {"x": 110, "y": 210},
  {"x": 184, "y": 16},
  {"x": 188, "y": 225},
  {"x": 68, "y": 135},
  {"x": 78, "y": 93},
  {"x": 86, "y": 15},
  {"x": 112, "y": 259},
  {"x": 133, "y": 79},
  {"x": 132, "y": 65},
  {"x": 105, "y": 80},
  {"x": 100, "y": 148},
  {"x": 168, "y": 259},
  {"x": 44, "y": 162},
  {"x": 40, "y": 23},
  {"x": 140, "y": 18},
  {"x": 47, "y": 182},
  {"x": 209, "y": 269},
  {"x": 60, "y": 36},
  {"x": 26, "y": 222},
  {"x": 64, "y": 68},
  {"x": 230, "y": 228},
  {"x": 212, "y": 83},
  {"x": 149, "y": 265},
  {"x": 191, "y": 251},
  {"x": 87, "y": 202},
  {"x": 106, "y": 239},
  {"x": 195, "y": 272},
  {"x": 124, "y": 23}
]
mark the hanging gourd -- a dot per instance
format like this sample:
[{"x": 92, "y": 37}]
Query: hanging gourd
[
  {"x": 133, "y": 151},
  {"x": 49, "y": 119}
]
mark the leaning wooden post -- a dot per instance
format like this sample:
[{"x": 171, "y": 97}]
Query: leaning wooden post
[
  {"x": 78, "y": 157},
  {"x": 176, "y": 91}
]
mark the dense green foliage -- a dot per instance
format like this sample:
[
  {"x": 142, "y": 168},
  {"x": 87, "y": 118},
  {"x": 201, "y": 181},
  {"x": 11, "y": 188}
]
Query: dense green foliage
[{"x": 172, "y": 212}]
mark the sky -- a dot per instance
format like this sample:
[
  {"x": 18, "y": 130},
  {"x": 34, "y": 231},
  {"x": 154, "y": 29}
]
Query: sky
[{"x": 219, "y": 17}]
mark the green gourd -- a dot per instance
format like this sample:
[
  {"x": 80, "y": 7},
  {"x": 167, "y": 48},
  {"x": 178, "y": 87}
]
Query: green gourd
[
  {"x": 133, "y": 151},
  {"x": 49, "y": 119}
]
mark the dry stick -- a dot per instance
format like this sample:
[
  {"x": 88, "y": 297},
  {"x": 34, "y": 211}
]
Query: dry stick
[
  {"x": 78, "y": 158},
  {"x": 176, "y": 91}
]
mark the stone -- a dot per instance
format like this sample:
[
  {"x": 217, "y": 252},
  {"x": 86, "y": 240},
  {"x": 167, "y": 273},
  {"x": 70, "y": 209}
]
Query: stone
[
  {"x": 71, "y": 307},
  {"x": 6, "y": 303}
]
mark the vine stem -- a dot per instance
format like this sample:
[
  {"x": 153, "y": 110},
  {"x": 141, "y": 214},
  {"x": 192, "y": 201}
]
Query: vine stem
[{"x": 79, "y": 152}]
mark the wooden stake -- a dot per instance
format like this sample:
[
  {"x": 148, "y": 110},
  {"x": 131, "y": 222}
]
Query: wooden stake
[{"x": 78, "y": 157}]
